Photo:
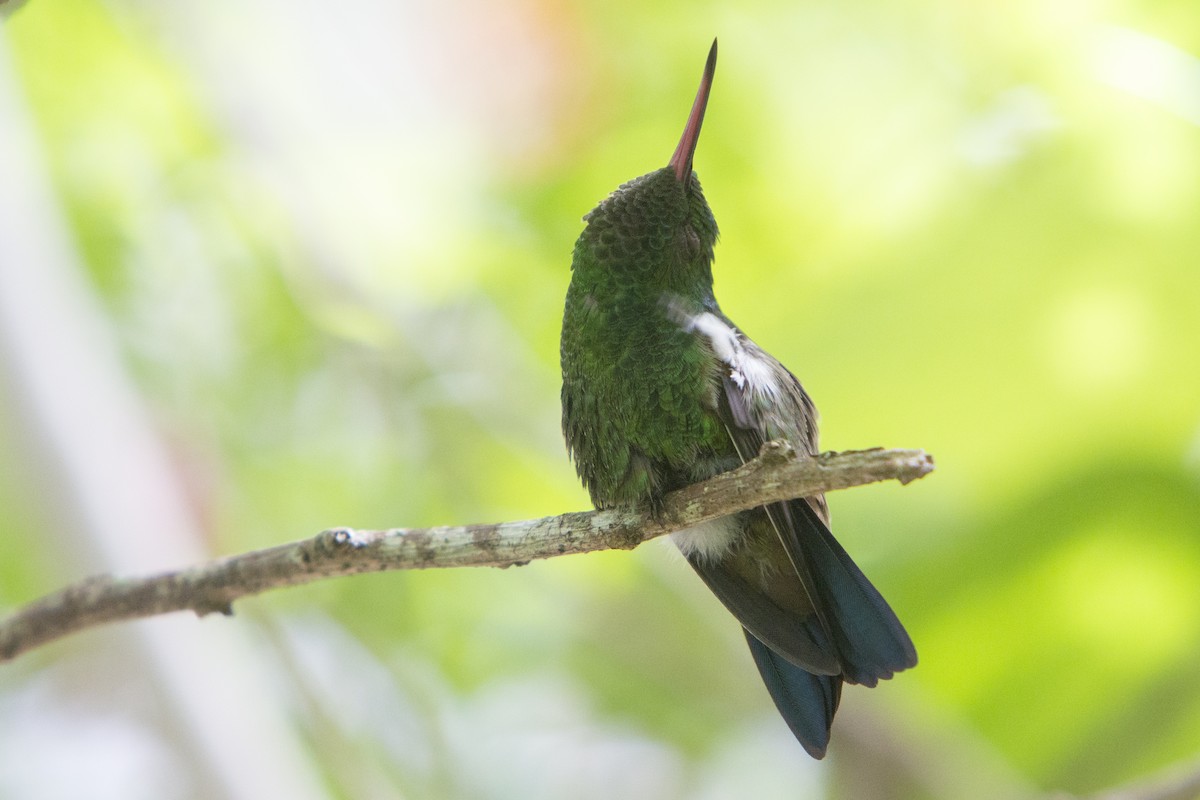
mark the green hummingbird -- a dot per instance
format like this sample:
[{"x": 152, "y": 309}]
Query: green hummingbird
[{"x": 661, "y": 390}]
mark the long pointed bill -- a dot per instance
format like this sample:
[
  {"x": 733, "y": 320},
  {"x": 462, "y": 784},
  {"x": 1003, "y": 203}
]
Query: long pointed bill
[{"x": 681, "y": 162}]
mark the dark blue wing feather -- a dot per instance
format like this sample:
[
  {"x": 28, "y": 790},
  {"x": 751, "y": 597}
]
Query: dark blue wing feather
[
  {"x": 801, "y": 640},
  {"x": 807, "y": 702}
]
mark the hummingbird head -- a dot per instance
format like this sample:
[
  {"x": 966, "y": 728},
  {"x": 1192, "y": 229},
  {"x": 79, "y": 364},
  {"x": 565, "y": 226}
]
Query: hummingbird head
[{"x": 657, "y": 230}]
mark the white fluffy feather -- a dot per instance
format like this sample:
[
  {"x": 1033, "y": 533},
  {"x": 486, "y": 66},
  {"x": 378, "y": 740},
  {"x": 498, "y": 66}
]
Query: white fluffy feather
[
  {"x": 708, "y": 540},
  {"x": 746, "y": 369}
]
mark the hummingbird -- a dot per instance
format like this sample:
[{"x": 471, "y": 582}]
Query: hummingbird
[{"x": 661, "y": 390}]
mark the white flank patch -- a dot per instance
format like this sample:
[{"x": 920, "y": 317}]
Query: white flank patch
[
  {"x": 708, "y": 541},
  {"x": 724, "y": 339},
  {"x": 749, "y": 372},
  {"x": 756, "y": 375}
]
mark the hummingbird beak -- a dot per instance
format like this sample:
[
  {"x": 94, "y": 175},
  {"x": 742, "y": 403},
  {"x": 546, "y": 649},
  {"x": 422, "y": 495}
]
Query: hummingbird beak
[{"x": 681, "y": 162}]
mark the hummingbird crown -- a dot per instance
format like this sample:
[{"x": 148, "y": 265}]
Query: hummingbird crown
[{"x": 654, "y": 230}]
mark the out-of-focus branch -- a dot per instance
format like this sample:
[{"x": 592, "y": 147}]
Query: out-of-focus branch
[
  {"x": 777, "y": 474},
  {"x": 101, "y": 479},
  {"x": 1180, "y": 782}
]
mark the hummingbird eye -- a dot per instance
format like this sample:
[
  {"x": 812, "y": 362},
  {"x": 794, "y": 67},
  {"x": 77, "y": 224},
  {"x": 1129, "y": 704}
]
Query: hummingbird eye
[{"x": 691, "y": 242}]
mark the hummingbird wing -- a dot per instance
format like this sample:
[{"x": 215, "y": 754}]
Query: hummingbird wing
[
  {"x": 806, "y": 702},
  {"x": 778, "y": 613},
  {"x": 825, "y": 601}
]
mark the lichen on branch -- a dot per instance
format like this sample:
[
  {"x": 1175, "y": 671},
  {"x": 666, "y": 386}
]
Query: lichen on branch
[{"x": 778, "y": 473}]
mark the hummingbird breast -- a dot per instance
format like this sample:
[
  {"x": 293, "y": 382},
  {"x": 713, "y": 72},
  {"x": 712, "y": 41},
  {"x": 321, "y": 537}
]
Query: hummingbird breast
[{"x": 639, "y": 399}]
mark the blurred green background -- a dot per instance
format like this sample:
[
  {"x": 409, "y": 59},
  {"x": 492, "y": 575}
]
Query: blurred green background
[{"x": 327, "y": 245}]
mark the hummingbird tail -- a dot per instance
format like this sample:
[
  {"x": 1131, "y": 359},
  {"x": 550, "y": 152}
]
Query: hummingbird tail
[
  {"x": 871, "y": 643},
  {"x": 806, "y": 701}
]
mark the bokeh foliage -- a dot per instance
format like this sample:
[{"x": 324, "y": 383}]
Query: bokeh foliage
[{"x": 333, "y": 245}]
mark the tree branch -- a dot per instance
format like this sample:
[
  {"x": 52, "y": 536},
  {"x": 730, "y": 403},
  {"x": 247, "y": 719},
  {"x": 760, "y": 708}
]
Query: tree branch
[
  {"x": 1178, "y": 782},
  {"x": 777, "y": 474}
]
